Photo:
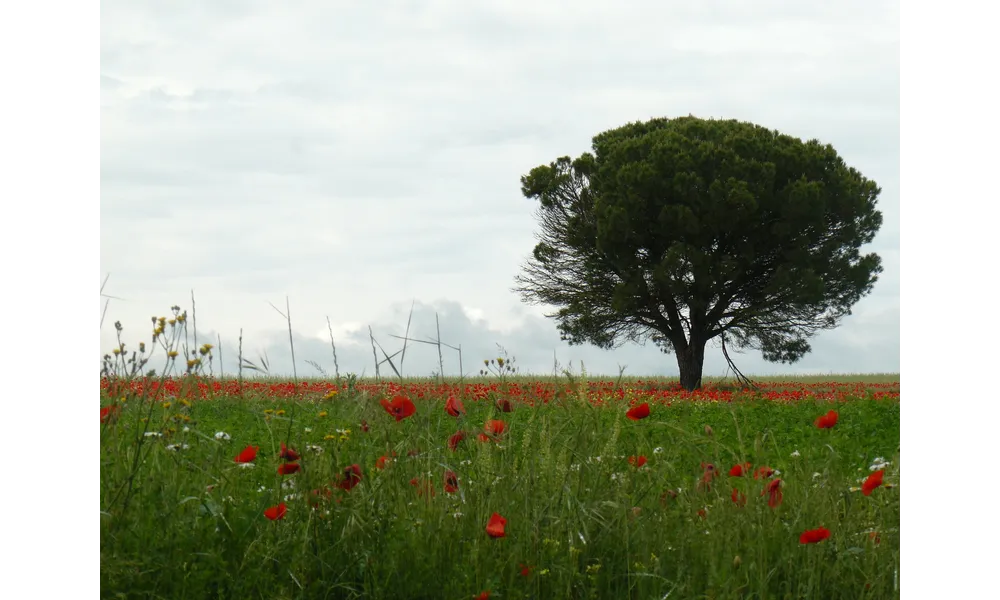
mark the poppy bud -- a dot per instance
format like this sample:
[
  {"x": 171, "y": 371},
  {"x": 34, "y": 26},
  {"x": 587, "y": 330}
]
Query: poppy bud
[
  {"x": 737, "y": 562},
  {"x": 708, "y": 430}
]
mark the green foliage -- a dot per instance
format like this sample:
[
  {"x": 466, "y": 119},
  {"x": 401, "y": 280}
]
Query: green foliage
[
  {"x": 683, "y": 230},
  {"x": 588, "y": 523}
]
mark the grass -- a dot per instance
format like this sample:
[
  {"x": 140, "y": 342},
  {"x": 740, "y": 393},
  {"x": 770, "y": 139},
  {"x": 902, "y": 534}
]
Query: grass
[
  {"x": 596, "y": 505},
  {"x": 180, "y": 519}
]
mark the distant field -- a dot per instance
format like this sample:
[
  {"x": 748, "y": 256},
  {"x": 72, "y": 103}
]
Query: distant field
[{"x": 721, "y": 493}]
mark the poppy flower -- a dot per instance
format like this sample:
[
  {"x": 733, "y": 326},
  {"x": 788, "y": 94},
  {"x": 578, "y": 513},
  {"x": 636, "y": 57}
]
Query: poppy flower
[
  {"x": 503, "y": 405},
  {"x": 875, "y": 537},
  {"x": 484, "y": 596},
  {"x": 764, "y": 472},
  {"x": 773, "y": 491},
  {"x": 638, "y": 412},
  {"x": 739, "y": 499},
  {"x": 288, "y": 468},
  {"x": 667, "y": 494},
  {"x": 828, "y": 420},
  {"x": 248, "y": 455},
  {"x": 381, "y": 462},
  {"x": 364, "y": 426},
  {"x": 739, "y": 470},
  {"x": 495, "y": 427},
  {"x": 495, "y": 527},
  {"x": 287, "y": 453},
  {"x": 637, "y": 461},
  {"x": 352, "y": 477},
  {"x": 813, "y": 536},
  {"x": 454, "y": 406},
  {"x": 400, "y": 407},
  {"x": 276, "y": 512},
  {"x": 454, "y": 440},
  {"x": 109, "y": 411},
  {"x": 874, "y": 480},
  {"x": 525, "y": 570},
  {"x": 484, "y": 438},
  {"x": 709, "y": 473},
  {"x": 450, "y": 482},
  {"x": 702, "y": 513}
]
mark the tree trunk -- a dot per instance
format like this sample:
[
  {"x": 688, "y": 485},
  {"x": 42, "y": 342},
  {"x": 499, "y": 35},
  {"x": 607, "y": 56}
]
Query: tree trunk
[{"x": 690, "y": 361}]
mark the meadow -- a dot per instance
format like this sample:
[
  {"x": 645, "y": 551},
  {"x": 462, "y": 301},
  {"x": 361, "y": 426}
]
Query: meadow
[{"x": 499, "y": 487}]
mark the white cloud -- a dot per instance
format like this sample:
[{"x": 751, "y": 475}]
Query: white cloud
[{"x": 354, "y": 157}]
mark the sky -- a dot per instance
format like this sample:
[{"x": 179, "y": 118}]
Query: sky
[{"x": 361, "y": 159}]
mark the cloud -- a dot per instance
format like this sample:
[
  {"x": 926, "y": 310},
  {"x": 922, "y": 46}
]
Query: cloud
[{"x": 350, "y": 157}]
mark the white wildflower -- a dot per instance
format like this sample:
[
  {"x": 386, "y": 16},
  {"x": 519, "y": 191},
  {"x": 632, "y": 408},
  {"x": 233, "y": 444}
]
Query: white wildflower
[
  {"x": 309, "y": 429},
  {"x": 222, "y": 436},
  {"x": 245, "y": 465},
  {"x": 186, "y": 429},
  {"x": 574, "y": 467},
  {"x": 155, "y": 434},
  {"x": 658, "y": 450},
  {"x": 796, "y": 454}
]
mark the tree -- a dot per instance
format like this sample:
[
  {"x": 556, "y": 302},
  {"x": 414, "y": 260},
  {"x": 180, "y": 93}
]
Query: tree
[{"x": 683, "y": 230}]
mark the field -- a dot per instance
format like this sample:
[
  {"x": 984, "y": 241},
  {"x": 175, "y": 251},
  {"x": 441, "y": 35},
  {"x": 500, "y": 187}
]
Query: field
[{"x": 502, "y": 488}]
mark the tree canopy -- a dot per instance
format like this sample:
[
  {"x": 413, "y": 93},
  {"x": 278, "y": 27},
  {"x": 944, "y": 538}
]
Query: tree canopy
[{"x": 679, "y": 231}]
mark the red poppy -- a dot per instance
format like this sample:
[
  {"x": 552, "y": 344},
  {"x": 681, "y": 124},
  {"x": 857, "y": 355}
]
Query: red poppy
[
  {"x": 709, "y": 473},
  {"x": 495, "y": 527},
  {"x": 450, "y": 482},
  {"x": 813, "y": 536},
  {"x": 484, "y": 596},
  {"x": 739, "y": 499},
  {"x": 248, "y": 455},
  {"x": 453, "y": 441},
  {"x": 875, "y": 537},
  {"x": 764, "y": 472},
  {"x": 454, "y": 406},
  {"x": 874, "y": 480},
  {"x": 109, "y": 411},
  {"x": 828, "y": 420},
  {"x": 773, "y": 491},
  {"x": 288, "y": 468},
  {"x": 495, "y": 427},
  {"x": 503, "y": 405},
  {"x": 484, "y": 438},
  {"x": 400, "y": 407},
  {"x": 276, "y": 512},
  {"x": 381, "y": 462},
  {"x": 702, "y": 513},
  {"x": 287, "y": 453},
  {"x": 352, "y": 477},
  {"x": 638, "y": 412},
  {"x": 739, "y": 470},
  {"x": 364, "y": 425},
  {"x": 637, "y": 461},
  {"x": 525, "y": 570}
]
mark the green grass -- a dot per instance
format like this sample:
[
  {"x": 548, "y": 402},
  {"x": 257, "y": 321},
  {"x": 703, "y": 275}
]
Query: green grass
[{"x": 189, "y": 523}]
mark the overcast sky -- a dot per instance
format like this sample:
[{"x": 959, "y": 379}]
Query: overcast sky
[{"x": 360, "y": 156}]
